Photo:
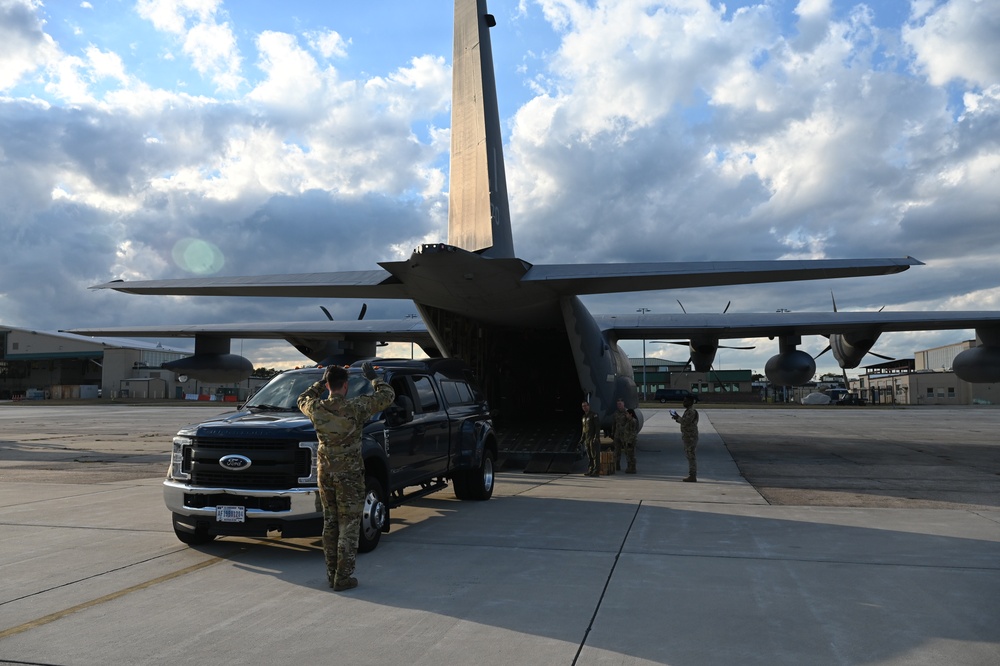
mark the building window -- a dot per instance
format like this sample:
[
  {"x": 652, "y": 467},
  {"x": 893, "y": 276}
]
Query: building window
[
  {"x": 951, "y": 392},
  {"x": 940, "y": 393},
  {"x": 930, "y": 392}
]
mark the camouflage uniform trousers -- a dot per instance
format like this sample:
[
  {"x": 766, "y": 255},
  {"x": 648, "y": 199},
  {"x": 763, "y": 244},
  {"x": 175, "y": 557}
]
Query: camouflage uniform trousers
[
  {"x": 343, "y": 497},
  {"x": 690, "y": 444},
  {"x": 620, "y": 436},
  {"x": 619, "y": 450},
  {"x": 629, "y": 449}
]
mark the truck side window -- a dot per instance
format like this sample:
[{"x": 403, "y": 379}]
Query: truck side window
[
  {"x": 425, "y": 394},
  {"x": 456, "y": 393}
]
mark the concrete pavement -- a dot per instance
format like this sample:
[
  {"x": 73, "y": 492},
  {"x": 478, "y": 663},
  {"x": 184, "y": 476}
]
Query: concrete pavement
[{"x": 556, "y": 569}]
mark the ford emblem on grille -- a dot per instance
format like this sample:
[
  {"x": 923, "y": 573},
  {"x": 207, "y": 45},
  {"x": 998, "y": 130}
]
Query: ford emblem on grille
[{"x": 235, "y": 463}]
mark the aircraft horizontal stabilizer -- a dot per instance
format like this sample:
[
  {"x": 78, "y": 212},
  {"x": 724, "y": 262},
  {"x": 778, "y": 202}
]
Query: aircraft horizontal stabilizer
[
  {"x": 580, "y": 279},
  {"x": 345, "y": 284}
]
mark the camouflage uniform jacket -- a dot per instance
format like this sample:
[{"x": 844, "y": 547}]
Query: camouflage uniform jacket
[
  {"x": 689, "y": 425},
  {"x": 620, "y": 426},
  {"x": 630, "y": 428},
  {"x": 339, "y": 422}
]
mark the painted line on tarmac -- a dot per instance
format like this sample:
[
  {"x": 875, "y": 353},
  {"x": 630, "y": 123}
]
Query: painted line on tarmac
[{"x": 106, "y": 598}]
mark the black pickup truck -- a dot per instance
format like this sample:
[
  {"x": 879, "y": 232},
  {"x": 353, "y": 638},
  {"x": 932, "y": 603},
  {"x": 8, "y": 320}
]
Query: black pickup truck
[{"x": 253, "y": 472}]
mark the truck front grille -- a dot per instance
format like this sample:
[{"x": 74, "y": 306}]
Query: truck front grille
[{"x": 275, "y": 464}]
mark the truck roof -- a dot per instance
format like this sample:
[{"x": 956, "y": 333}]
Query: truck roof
[{"x": 449, "y": 367}]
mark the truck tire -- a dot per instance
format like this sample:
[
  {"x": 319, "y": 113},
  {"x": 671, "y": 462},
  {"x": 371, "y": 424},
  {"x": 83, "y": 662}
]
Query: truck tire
[
  {"x": 373, "y": 515},
  {"x": 476, "y": 484}
]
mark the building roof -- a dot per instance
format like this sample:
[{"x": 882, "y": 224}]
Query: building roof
[{"x": 81, "y": 344}]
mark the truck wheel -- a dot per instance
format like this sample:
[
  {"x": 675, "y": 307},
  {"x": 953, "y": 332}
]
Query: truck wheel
[
  {"x": 373, "y": 515},
  {"x": 476, "y": 484}
]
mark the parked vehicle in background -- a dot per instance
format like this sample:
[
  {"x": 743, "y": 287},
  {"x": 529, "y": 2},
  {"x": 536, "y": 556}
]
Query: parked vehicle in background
[
  {"x": 673, "y": 395},
  {"x": 253, "y": 472}
]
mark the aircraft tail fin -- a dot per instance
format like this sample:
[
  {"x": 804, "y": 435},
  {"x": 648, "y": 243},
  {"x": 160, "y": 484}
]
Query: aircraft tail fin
[{"x": 478, "y": 213}]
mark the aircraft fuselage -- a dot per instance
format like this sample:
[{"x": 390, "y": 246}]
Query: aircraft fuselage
[{"x": 553, "y": 354}]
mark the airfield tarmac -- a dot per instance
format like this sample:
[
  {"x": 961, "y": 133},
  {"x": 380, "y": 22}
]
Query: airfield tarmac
[{"x": 864, "y": 536}]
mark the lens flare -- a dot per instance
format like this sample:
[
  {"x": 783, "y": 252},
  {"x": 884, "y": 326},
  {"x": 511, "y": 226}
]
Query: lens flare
[{"x": 198, "y": 256}]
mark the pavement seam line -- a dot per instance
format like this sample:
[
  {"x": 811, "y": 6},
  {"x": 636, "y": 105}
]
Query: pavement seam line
[
  {"x": 607, "y": 582},
  {"x": 52, "y": 617}
]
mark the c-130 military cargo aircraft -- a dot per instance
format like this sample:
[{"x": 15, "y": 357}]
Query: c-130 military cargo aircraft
[{"x": 522, "y": 327}]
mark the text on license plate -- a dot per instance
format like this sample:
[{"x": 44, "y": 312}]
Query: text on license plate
[{"x": 230, "y": 514}]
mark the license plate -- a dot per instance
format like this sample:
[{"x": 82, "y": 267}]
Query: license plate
[{"x": 230, "y": 514}]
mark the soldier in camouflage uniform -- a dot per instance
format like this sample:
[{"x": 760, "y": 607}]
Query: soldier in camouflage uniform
[
  {"x": 340, "y": 469},
  {"x": 590, "y": 439},
  {"x": 631, "y": 433},
  {"x": 689, "y": 435},
  {"x": 618, "y": 432}
]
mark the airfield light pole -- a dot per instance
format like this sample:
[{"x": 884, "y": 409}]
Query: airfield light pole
[{"x": 643, "y": 311}]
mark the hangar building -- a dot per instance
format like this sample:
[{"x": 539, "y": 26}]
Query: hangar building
[{"x": 47, "y": 364}]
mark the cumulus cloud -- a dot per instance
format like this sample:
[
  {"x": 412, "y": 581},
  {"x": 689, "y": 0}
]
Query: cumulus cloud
[
  {"x": 956, "y": 40},
  {"x": 27, "y": 47},
  {"x": 647, "y": 130},
  {"x": 210, "y": 45}
]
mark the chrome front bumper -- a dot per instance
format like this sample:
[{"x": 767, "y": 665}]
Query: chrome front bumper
[{"x": 305, "y": 502}]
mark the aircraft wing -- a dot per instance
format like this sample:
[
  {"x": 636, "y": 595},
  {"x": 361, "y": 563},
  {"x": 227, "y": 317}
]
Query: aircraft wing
[
  {"x": 373, "y": 330},
  {"x": 636, "y": 326},
  {"x": 582, "y": 279}
]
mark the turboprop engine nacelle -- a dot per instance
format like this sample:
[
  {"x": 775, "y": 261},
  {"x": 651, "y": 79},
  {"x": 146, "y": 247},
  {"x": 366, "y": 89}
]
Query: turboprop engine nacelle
[
  {"x": 335, "y": 351},
  {"x": 980, "y": 365},
  {"x": 215, "y": 368},
  {"x": 850, "y": 349},
  {"x": 703, "y": 354},
  {"x": 212, "y": 362},
  {"x": 791, "y": 366}
]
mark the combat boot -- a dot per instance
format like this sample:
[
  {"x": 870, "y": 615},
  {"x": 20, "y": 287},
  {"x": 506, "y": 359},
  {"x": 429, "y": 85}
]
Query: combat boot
[
  {"x": 341, "y": 584},
  {"x": 690, "y": 479}
]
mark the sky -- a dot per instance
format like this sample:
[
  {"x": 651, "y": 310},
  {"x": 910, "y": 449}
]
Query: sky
[{"x": 158, "y": 139}]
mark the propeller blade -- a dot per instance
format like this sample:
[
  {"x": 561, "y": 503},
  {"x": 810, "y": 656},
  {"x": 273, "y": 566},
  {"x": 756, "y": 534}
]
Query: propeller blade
[
  {"x": 682, "y": 306},
  {"x": 364, "y": 309},
  {"x": 884, "y": 358},
  {"x": 727, "y": 310},
  {"x": 822, "y": 352},
  {"x": 834, "y": 300},
  {"x": 672, "y": 342},
  {"x": 326, "y": 312},
  {"x": 728, "y": 347}
]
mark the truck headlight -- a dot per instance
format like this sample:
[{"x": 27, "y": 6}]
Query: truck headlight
[
  {"x": 312, "y": 448},
  {"x": 180, "y": 459}
]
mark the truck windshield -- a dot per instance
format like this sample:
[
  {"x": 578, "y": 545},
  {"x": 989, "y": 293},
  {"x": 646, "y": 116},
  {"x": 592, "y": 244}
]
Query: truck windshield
[{"x": 282, "y": 392}]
